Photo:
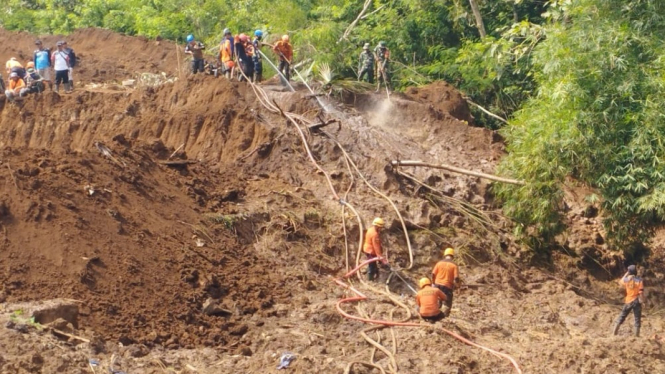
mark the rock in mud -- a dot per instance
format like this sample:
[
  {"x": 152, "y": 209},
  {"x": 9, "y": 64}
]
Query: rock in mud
[{"x": 211, "y": 307}]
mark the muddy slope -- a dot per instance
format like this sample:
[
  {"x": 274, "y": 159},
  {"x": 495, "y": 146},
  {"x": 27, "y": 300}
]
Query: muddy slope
[{"x": 145, "y": 203}]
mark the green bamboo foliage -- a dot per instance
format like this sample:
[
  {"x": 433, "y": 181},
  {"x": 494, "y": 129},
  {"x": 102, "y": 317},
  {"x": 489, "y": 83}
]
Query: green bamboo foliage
[{"x": 597, "y": 117}]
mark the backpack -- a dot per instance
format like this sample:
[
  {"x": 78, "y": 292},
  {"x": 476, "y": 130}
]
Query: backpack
[{"x": 72, "y": 57}]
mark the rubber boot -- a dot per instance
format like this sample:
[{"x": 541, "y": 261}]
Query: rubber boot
[
  {"x": 637, "y": 331},
  {"x": 68, "y": 87},
  {"x": 615, "y": 330},
  {"x": 57, "y": 88}
]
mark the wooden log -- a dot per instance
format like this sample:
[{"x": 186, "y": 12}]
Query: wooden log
[{"x": 459, "y": 170}]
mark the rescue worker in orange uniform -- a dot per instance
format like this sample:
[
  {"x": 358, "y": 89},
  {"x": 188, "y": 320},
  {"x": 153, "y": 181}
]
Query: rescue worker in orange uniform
[
  {"x": 634, "y": 298},
  {"x": 372, "y": 248},
  {"x": 16, "y": 87},
  {"x": 446, "y": 277},
  {"x": 284, "y": 50},
  {"x": 226, "y": 54},
  {"x": 429, "y": 300}
]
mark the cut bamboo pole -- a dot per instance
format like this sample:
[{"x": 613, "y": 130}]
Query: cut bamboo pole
[{"x": 459, "y": 170}]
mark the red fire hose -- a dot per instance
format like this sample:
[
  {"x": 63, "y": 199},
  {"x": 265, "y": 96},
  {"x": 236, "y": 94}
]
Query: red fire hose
[{"x": 360, "y": 297}]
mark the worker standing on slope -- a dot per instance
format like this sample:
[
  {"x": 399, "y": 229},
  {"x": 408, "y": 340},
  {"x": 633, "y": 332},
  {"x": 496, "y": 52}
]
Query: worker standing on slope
[
  {"x": 366, "y": 64},
  {"x": 429, "y": 300},
  {"x": 382, "y": 55},
  {"x": 195, "y": 49},
  {"x": 244, "y": 52},
  {"x": 226, "y": 54},
  {"x": 634, "y": 299},
  {"x": 284, "y": 50},
  {"x": 72, "y": 62},
  {"x": 446, "y": 277},
  {"x": 60, "y": 62},
  {"x": 258, "y": 63},
  {"x": 16, "y": 87},
  {"x": 42, "y": 59},
  {"x": 372, "y": 248}
]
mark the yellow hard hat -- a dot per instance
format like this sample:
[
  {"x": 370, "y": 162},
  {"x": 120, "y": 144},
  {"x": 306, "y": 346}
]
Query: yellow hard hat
[
  {"x": 378, "y": 222},
  {"x": 449, "y": 252},
  {"x": 424, "y": 282}
]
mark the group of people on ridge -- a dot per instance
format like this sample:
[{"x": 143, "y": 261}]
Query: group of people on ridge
[
  {"x": 239, "y": 54},
  {"x": 375, "y": 63},
  {"x": 432, "y": 296},
  {"x": 37, "y": 73},
  {"x": 436, "y": 293}
]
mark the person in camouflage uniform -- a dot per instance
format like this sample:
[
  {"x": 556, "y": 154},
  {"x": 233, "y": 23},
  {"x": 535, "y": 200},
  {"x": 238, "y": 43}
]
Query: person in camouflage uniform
[
  {"x": 382, "y": 55},
  {"x": 366, "y": 64}
]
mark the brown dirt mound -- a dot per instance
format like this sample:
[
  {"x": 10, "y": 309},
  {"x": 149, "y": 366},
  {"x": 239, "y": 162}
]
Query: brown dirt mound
[{"x": 443, "y": 98}]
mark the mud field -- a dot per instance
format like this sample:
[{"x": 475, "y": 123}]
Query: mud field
[{"x": 186, "y": 226}]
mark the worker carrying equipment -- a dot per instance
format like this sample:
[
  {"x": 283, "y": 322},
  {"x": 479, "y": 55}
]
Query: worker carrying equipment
[
  {"x": 372, "y": 248},
  {"x": 284, "y": 50},
  {"x": 429, "y": 300},
  {"x": 195, "y": 49},
  {"x": 382, "y": 56},
  {"x": 634, "y": 286},
  {"x": 366, "y": 64},
  {"x": 446, "y": 277}
]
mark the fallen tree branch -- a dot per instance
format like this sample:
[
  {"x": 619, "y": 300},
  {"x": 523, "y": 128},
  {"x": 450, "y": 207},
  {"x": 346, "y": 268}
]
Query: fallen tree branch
[
  {"x": 458, "y": 170},
  {"x": 176, "y": 151},
  {"x": 11, "y": 173},
  {"x": 66, "y": 335},
  {"x": 486, "y": 111},
  {"x": 355, "y": 21},
  {"x": 320, "y": 124},
  {"x": 374, "y": 11}
]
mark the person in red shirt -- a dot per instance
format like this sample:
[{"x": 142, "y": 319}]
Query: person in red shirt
[
  {"x": 446, "y": 276},
  {"x": 634, "y": 298},
  {"x": 429, "y": 300},
  {"x": 284, "y": 51},
  {"x": 372, "y": 247}
]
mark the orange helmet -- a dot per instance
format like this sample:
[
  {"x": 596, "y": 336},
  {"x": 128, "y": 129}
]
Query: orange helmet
[
  {"x": 285, "y": 38},
  {"x": 29, "y": 65},
  {"x": 243, "y": 38}
]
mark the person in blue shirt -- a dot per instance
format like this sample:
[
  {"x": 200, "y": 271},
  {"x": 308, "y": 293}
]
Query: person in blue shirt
[
  {"x": 258, "y": 64},
  {"x": 42, "y": 59}
]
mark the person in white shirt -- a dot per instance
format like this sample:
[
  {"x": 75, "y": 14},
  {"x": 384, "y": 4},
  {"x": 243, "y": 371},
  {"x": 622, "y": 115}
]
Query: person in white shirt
[{"x": 60, "y": 62}]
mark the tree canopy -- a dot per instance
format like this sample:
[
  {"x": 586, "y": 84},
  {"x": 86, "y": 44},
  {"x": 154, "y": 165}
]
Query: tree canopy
[{"x": 597, "y": 116}]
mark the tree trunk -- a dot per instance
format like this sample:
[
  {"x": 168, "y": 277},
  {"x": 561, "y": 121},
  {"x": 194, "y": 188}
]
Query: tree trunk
[{"x": 479, "y": 18}]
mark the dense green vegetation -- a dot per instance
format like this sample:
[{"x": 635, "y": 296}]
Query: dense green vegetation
[
  {"x": 580, "y": 81},
  {"x": 597, "y": 117}
]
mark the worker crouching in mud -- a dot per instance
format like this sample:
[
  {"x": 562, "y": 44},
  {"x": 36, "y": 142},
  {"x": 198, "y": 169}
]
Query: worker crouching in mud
[
  {"x": 446, "y": 277},
  {"x": 429, "y": 301},
  {"x": 372, "y": 248}
]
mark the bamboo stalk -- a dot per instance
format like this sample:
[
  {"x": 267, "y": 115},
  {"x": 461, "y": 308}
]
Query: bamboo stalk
[{"x": 459, "y": 170}]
